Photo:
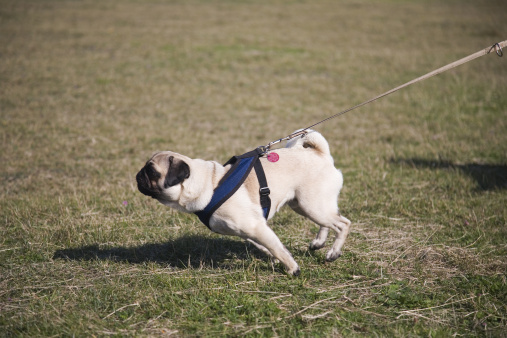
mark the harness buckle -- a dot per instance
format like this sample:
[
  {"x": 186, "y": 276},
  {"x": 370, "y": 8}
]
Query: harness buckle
[{"x": 264, "y": 191}]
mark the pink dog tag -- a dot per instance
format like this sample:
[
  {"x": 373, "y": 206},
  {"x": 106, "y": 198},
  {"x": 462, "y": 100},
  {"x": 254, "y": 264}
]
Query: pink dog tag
[{"x": 273, "y": 157}]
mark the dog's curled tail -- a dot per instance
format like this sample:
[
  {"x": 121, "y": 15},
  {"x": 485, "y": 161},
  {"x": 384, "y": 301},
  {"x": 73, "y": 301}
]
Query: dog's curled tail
[{"x": 312, "y": 139}]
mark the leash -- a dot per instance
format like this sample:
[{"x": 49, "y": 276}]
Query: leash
[{"x": 497, "y": 47}]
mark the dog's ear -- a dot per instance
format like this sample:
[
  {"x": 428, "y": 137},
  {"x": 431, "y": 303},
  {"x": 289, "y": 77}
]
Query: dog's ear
[{"x": 177, "y": 173}]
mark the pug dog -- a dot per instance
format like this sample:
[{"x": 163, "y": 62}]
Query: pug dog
[{"x": 303, "y": 177}]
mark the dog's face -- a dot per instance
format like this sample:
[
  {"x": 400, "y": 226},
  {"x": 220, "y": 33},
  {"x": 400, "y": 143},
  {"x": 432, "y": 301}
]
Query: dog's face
[{"x": 162, "y": 176}]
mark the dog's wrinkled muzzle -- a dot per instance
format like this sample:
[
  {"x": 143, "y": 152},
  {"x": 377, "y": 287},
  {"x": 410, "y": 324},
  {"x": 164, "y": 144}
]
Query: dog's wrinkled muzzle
[{"x": 144, "y": 183}]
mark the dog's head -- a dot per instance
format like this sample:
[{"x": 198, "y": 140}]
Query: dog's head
[{"x": 162, "y": 176}]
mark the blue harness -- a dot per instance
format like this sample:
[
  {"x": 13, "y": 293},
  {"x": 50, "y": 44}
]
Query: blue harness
[{"x": 233, "y": 179}]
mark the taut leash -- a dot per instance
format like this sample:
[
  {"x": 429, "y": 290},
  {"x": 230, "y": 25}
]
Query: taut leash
[{"x": 497, "y": 47}]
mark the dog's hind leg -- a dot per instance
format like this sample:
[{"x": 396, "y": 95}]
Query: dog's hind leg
[
  {"x": 328, "y": 217},
  {"x": 343, "y": 225},
  {"x": 340, "y": 225},
  {"x": 320, "y": 239}
]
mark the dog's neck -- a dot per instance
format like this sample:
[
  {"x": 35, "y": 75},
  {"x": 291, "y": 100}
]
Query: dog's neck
[{"x": 197, "y": 193}]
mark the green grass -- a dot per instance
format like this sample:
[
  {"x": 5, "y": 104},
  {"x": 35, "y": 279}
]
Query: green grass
[{"x": 90, "y": 89}]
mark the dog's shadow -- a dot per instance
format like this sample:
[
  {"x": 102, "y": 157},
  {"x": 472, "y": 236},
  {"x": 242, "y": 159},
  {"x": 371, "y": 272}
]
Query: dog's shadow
[
  {"x": 190, "y": 251},
  {"x": 487, "y": 176}
]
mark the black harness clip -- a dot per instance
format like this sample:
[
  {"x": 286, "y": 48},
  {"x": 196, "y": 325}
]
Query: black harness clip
[{"x": 264, "y": 191}]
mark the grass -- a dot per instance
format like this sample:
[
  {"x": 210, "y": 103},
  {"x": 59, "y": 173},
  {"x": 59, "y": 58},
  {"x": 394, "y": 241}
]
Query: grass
[{"x": 90, "y": 89}]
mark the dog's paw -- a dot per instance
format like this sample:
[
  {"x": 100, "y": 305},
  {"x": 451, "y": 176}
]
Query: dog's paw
[
  {"x": 316, "y": 245},
  {"x": 332, "y": 255},
  {"x": 296, "y": 272}
]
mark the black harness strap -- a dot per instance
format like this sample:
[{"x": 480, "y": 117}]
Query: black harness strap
[
  {"x": 263, "y": 188},
  {"x": 241, "y": 166}
]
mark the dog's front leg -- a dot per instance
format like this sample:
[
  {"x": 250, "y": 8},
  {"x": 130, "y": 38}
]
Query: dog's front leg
[
  {"x": 264, "y": 250},
  {"x": 261, "y": 234}
]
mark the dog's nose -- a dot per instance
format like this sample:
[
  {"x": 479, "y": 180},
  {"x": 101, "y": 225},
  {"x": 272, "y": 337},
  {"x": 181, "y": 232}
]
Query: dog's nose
[
  {"x": 142, "y": 179},
  {"x": 145, "y": 180}
]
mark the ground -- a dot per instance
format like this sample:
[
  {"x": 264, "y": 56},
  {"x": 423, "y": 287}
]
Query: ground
[{"x": 90, "y": 89}]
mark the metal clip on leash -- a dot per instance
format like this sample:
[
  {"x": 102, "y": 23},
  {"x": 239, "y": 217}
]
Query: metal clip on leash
[
  {"x": 498, "y": 49},
  {"x": 265, "y": 149}
]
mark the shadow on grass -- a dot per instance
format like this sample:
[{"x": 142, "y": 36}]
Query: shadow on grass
[
  {"x": 487, "y": 176},
  {"x": 188, "y": 251}
]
